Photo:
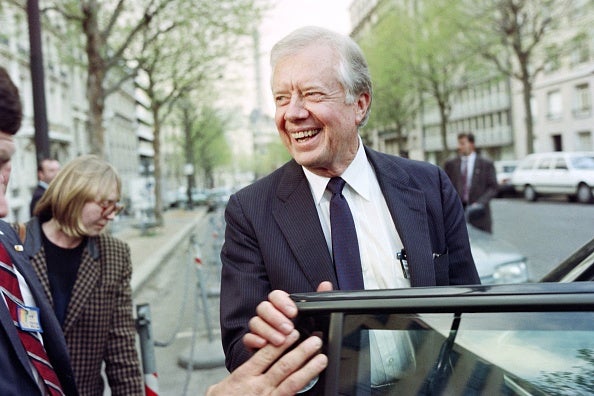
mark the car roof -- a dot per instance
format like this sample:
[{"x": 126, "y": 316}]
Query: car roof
[
  {"x": 561, "y": 154},
  {"x": 480, "y": 298}
]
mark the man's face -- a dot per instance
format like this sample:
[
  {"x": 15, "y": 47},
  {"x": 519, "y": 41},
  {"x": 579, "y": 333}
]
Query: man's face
[
  {"x": 315, "y": 124},
  {"x": 465, "y": 147},
  {"x": 7, "y": 149},
  {"x": 49, "y": 170}
]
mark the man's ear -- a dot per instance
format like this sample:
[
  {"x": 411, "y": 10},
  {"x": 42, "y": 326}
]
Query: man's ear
[{"x": 363, "y": 102}]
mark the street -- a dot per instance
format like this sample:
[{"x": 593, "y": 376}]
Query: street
[{"x": 546, "y": 232}]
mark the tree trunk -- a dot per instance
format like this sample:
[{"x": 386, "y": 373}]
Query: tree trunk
[
  {"x": 95, "y": 78},
  {"x": 526, "y": 95},
  {"x": 157, "y": 164}
]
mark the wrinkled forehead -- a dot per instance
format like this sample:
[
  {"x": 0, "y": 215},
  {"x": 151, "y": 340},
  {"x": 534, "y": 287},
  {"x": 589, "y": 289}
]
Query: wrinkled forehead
[{"x": 7, "y": 147}]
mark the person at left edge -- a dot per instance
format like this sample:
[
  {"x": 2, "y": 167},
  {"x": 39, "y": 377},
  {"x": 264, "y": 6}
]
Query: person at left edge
[
  {"x": 18, "y": 377},
  {"x": 86, "y": 274}
]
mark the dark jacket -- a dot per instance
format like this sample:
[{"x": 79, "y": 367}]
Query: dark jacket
[
  {"x": 16, "y": 377},
  {"x": 482, "y": 189},
  {"x": 274, "y": 240}
]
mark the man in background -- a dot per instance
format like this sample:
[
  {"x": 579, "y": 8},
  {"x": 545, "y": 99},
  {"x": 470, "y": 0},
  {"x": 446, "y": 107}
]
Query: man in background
[
  {"x": 475, "y": 180},
  {"x": 46, "y": 171}
]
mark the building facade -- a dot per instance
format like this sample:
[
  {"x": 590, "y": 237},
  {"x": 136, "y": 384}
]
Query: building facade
[
  {"x": 67, "y": 111},
  {"x": 492, "y": 106}
]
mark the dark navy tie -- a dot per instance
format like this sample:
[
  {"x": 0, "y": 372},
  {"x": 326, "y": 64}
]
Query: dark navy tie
[{"x": 345, "y": 247}]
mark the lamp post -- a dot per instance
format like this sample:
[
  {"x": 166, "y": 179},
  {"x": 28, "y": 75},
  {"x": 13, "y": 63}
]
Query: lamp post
[{"x": 37, "y": 81}]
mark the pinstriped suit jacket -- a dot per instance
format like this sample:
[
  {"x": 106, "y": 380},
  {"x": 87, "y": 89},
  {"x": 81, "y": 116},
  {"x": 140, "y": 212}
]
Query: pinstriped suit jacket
[
  {"x": 16, "y": 378},
  {"x": 99, "y": 326},
  {"x": 274, "y": 240}
]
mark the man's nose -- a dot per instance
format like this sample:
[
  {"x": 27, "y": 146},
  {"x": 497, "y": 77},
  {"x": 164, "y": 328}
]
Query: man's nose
[{"x": 296, "y": 108}]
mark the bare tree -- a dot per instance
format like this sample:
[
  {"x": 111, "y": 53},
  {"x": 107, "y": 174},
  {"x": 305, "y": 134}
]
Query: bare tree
[
  {"x": 426, "y": 45},
  {"x": 109, "y": 29},
  {"x": 185, "y": 53},
  {"x": 513, "y": 34}
]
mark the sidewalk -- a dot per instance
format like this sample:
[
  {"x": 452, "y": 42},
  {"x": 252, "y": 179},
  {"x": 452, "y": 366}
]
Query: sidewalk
[{"x": 148, "y": 251}]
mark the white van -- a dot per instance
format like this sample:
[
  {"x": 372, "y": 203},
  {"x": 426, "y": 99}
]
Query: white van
[{"x": 565, "y": 173}]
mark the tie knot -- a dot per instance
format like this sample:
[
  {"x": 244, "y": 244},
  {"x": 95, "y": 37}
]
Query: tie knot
[{"x": 336, "y": 184}]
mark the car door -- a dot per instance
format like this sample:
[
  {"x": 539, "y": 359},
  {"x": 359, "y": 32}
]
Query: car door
[
  {"x": 560, "y": 179},
  {"x": 535, "y": 339}
]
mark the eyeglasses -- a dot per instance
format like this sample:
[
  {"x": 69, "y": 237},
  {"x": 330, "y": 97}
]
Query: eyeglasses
[{"x": 110, "y": 207}]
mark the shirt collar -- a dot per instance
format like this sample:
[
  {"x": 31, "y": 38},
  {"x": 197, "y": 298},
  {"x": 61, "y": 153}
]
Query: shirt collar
[{"x": 357, "y": 175}]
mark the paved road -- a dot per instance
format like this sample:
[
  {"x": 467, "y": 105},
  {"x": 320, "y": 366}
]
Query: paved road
[{"x": 546, "y": 231}]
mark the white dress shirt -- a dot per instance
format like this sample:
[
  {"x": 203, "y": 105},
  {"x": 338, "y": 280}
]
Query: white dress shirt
[{"x": 391, "y": 351}]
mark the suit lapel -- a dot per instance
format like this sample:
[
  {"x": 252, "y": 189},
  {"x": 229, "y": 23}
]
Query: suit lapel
[
  {"x": 40, "y": 266},
  {"x": 408, "y": 209},
  {"x": 297, "y": 217},
  {"x": 89, "y": 273}
]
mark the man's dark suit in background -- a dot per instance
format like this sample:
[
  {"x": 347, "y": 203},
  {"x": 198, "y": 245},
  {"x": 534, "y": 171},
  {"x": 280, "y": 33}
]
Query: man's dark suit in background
[{"x": 483, "y": 183}]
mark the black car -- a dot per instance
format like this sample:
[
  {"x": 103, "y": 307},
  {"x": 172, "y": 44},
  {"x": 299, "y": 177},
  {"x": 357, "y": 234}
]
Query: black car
[{"x": 521, "y": 339}]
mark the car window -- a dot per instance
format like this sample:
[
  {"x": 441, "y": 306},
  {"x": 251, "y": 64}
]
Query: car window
[
  {"x": 527, "y": 164},
  {"x": 560, "y": 163},
  {"x": 585, "y": 162},
  {"x": 544, "y": 163},
  {"x": 508, "y": 353}
]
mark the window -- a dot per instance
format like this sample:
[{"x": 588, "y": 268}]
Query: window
[
  {"x": 584, "y": 141},
  {"x": 553, "y": 62},
  {"x": 582, "y": 101},
  {"x": 560, "y": 163},
  {"x": 554, "y": 105},
  {"x": 545, "y": 163},
  {"x": 580, "y": 52}
]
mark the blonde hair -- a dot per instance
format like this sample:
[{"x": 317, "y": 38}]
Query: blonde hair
[{"x": 84, "y": 179}]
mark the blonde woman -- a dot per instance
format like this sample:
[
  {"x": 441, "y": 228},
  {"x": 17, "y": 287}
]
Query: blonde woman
[{"x": 86, "y": 274}]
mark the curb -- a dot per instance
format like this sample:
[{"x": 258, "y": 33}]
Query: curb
[{"x": 142, "y": 273}]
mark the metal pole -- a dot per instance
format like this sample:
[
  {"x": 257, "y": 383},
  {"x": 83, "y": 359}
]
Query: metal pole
[
  {"x": 207, "y": 354},
  {"x": 147, "y": 350},
  {"x": 37, "y": 81}
]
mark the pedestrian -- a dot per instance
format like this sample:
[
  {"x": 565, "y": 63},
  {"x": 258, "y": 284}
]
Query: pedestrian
[
  {"x": 33, "y": 353},
  {"x": 475, "y": 180},
  {"x": 86, "y": 274},
  {"x": 46, "y": 171},
  {"x": 406, "y": 216}
]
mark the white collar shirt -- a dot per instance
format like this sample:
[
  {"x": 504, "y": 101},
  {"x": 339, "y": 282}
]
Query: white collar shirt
[
  {"x": 378, "y": 239},
  {"x": 470, "y": 160},
  {"x": 391, "y": 352}
]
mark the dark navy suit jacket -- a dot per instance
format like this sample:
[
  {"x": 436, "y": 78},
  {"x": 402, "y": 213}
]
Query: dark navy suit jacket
[
  {"x": 482, "y": 188},
  {"x": 16, "y": 377},
  {"x": 274, "y": 240}
]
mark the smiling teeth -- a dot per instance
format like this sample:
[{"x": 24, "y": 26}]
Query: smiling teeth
[{"x": 304, "y": 134}]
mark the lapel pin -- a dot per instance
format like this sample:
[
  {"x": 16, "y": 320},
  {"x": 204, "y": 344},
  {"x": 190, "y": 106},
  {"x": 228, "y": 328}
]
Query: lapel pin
[{"x": 18, "y": 248}]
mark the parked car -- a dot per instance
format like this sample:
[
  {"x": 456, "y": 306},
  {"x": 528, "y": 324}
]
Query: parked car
[
  {"x": 556, "y": 173},
  {"x": 504, "y": 170},
  {"x": 217, "y": 198},
  {"x": 527, "y": 339},
  {"x": 181, "y": 197}
]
